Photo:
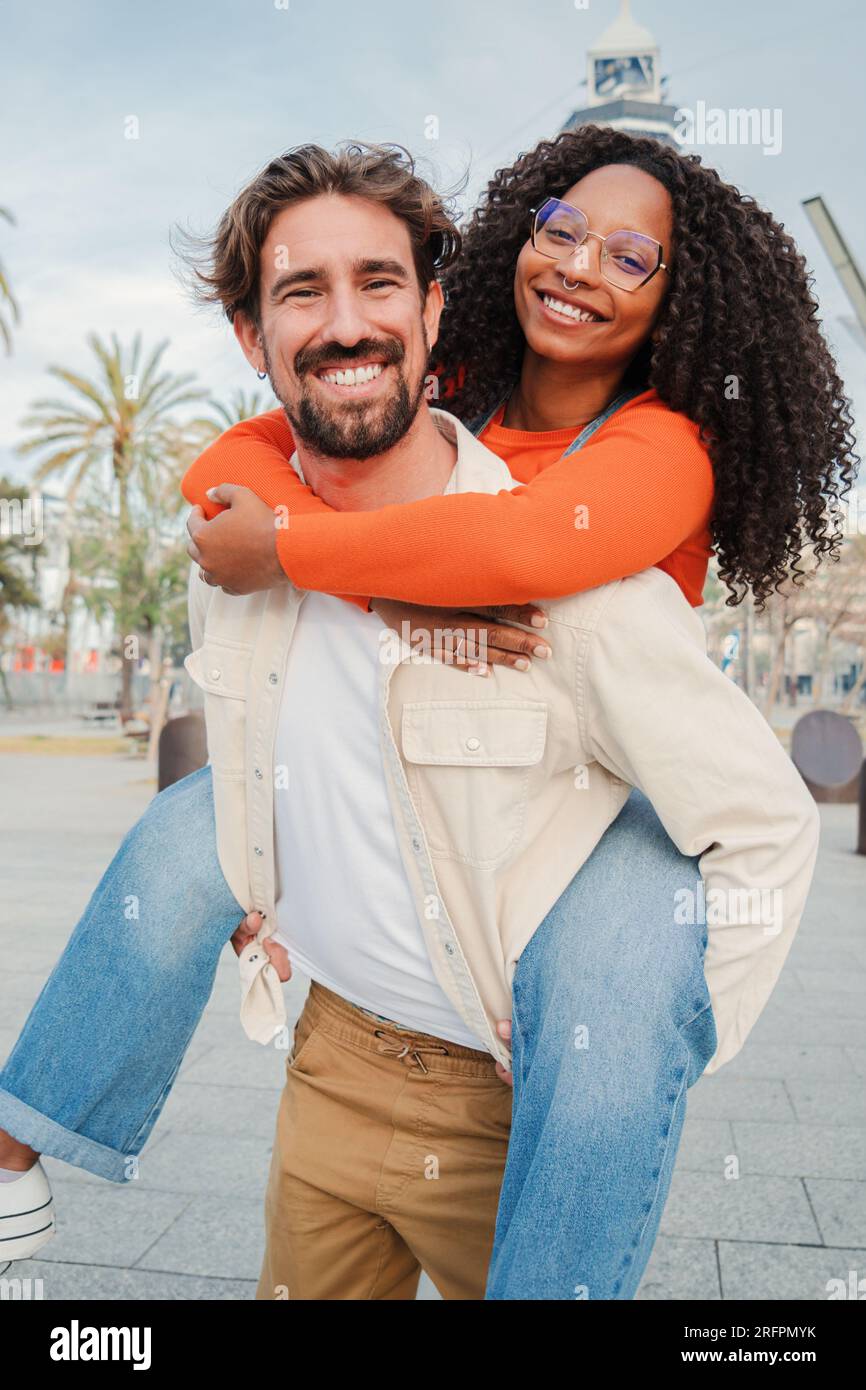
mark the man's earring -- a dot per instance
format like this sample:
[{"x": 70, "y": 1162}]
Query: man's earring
[{"x": 261, "y": 375}]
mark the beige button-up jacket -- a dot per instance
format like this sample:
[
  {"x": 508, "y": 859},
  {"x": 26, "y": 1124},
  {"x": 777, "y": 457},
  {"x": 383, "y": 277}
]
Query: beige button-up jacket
[{"x": 502, "y": 787}]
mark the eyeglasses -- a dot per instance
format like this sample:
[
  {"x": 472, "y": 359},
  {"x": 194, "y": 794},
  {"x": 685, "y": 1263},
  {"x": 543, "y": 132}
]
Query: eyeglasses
[{"x": 628, "y": 259}]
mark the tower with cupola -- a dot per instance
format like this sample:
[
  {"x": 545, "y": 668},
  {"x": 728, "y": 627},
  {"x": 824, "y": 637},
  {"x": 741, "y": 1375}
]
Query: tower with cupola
[{"x": 624, "y": 82}]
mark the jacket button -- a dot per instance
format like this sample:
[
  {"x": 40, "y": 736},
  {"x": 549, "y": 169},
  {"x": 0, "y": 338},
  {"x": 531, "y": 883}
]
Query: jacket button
[
  {"x": 416, "y": 845},
  {"x": 273, "y": 678},
  {"x": 449, "y": 948},
  {"x": 473, "y": 744},
  {"x": 258, "y": 849},
  {"x": 215, "y": 674},
  {"x": 259, "y": 773}
]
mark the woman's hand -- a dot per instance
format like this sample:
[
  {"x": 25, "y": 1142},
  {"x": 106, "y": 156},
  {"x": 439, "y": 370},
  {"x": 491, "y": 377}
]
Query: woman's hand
[
  {"x": 236, "y": 550},
  {"x": 471, "y": 641},
  {"x": 277, "y": 954}
]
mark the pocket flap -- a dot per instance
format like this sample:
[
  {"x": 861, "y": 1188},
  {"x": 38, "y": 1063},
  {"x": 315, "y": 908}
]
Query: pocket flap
[
  {"x": 220, "y": 669},
  {"x": 470, "y": 733}
]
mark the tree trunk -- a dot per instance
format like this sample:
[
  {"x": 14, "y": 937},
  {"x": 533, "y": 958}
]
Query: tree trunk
[
  {"x": 127, "y": 662},
  {"x": 747, "y": 647},
  {"x": 158, "y": 691},
  {"x": 822, "y": 658},
  {"x": 776, "y": 672},
  {"x": 125, "y": 685}
]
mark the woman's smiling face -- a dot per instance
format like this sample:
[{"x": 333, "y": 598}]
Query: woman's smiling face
[{"x": 614, "y": 197}]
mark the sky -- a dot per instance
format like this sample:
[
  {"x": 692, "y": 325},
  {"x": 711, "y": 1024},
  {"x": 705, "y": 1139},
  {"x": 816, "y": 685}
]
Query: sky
[{"x": 218, "y": 87}]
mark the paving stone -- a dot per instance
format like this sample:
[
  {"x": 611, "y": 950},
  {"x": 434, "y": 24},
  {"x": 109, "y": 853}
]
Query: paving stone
[
  {"x": 840, "y": 1210},
  {"x": 681, "y": 1269},
  {"x": 220, "y": 1237},
  {"x": 824, "y": 1003},
  {"x": 111, "y": 1224},
  {"x": 228, "y": 1110},
  {"x": 827, "y": 1102},
  {"x": 745, "y": 1208},
  {"x": 729, "y": 1098},
  {"x": 791, "y": 1107},
  {"x": 218, "y": 1164},
  {"x": 245, "y": 1063},
  {"x": 751, "y": 1270},
  {"x": 781, "y": 1025},
  {"x": 857, "y": 1058},
  {"x": 833, "y": 982},
  {"x": 811, "y": 954},
  {"x": 704, "y": 1144},
  {"x": 770, "y": 1061},
  {"x": 62, "y": 1282},
  {"x": 800, "y": 1150},
  {"x": 8, "y": 1036}
]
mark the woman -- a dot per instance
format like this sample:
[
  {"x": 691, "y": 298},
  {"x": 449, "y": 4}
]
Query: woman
[{"x": 774, "y": 465}]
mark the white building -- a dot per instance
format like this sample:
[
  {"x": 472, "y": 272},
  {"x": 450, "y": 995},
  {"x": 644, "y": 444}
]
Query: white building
[{"x": 624, "y": 83}]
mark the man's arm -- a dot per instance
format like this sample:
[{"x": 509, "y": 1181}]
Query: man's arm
[{"x": 664, "y": 718}]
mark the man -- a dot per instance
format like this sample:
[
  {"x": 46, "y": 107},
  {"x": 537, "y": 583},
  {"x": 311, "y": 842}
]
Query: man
[
  {"x": 406, "y": 837},
  {"x": 407, "y": 787}
]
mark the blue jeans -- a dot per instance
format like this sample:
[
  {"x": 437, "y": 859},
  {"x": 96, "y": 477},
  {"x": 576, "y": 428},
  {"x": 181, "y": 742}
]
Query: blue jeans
[{"x": 611, "y": 1023}]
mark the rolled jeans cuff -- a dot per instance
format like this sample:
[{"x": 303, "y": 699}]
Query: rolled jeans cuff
[{"x": 31, "y": 1127}]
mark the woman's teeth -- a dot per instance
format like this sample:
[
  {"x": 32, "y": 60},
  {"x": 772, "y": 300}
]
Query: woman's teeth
[
  {"x": 354, "y": 376},
  {"x": 570, "y": 311}
]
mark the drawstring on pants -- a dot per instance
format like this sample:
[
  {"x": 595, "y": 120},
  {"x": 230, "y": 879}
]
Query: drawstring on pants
[{"x": 392, "y": 1046}]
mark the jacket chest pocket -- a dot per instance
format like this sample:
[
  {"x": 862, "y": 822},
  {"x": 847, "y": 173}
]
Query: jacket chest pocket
[
  {"x": 468, "y": 766},
  {"x": 221, "y": 670}
]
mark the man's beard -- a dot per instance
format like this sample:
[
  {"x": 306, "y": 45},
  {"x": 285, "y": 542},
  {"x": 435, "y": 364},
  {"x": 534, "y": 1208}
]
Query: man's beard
[{"x": 354, "y": 430}]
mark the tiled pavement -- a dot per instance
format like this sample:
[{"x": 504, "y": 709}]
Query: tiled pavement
[{"x": 790, "y": 1110}]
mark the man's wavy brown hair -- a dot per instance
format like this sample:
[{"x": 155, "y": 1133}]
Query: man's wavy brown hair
[
  {"x": 224, "y": 268},
  {"x": 739, "y": 306}
]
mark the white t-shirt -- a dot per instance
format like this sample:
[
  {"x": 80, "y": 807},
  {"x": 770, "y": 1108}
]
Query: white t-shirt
[{"x": 344, "y": 907}]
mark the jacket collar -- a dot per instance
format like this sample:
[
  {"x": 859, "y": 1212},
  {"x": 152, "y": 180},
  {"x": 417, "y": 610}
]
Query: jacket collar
[{"x": 477, "y": 468}]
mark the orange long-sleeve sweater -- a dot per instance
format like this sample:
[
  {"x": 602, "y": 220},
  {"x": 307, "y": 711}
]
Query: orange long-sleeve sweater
[{"x": 640, "y": 491}]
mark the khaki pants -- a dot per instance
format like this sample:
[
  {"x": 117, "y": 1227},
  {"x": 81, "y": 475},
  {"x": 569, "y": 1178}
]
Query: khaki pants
[{"x": 389, "y": 1153}]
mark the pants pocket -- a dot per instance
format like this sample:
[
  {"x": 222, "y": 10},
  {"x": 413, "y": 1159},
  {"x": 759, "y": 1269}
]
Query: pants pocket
[{"x": 304, "y": 1034}]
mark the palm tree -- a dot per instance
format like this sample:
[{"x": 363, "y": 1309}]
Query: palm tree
[
  {"x": 7, "y": 299},
  {"x": 121, "y": 422},
  {"x": 16, "y": 589},
  {"x": 241, "y": 405}
]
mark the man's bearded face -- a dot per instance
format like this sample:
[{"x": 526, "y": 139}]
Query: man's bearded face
[
  {"x": 355, "y": 419},
  {"x": 345, "y": 332}
]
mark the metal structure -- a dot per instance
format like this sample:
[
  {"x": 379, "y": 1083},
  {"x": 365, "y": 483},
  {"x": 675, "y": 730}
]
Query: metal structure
[{"x": 182, "y": 749}]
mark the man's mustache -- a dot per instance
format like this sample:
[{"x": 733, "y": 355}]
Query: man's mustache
[{"x": 389, "y": 349}]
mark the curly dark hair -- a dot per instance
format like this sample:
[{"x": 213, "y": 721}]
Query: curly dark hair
[{"x": 739, "y": 305}]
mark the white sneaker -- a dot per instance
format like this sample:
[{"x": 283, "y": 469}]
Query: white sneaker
[{"x": 26, "y": 1215}]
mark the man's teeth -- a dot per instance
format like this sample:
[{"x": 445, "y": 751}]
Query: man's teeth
[
  {"x": 570, "y": 311},
  {"x": 354, "y": 376}
]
